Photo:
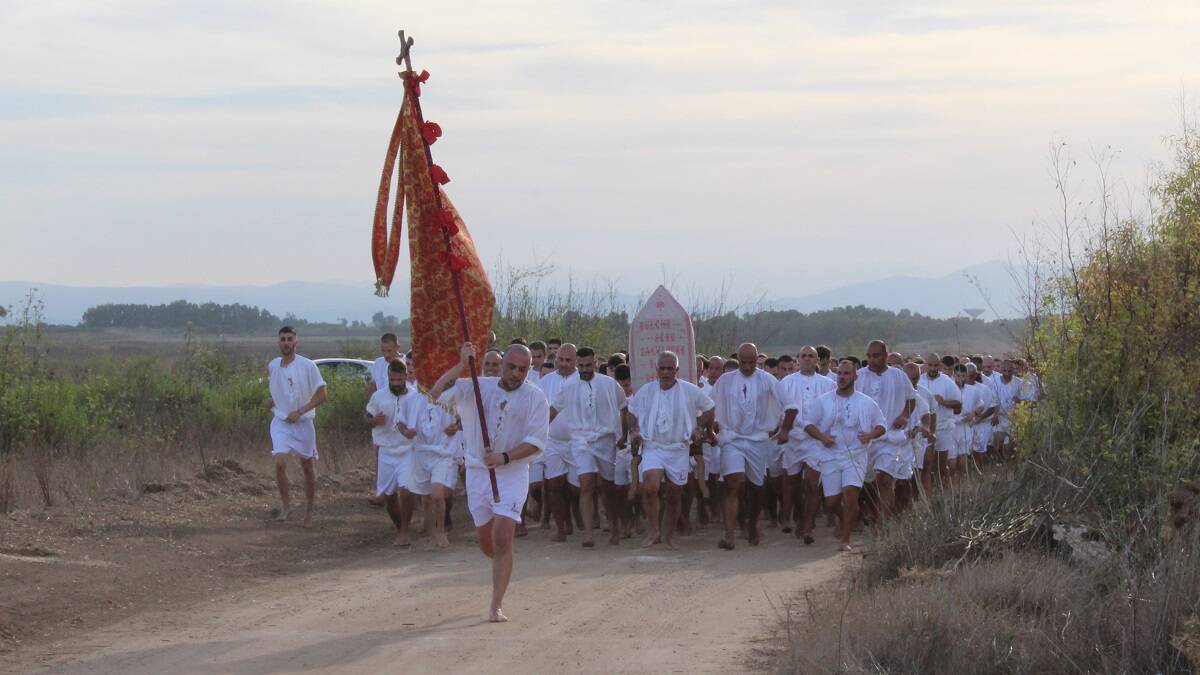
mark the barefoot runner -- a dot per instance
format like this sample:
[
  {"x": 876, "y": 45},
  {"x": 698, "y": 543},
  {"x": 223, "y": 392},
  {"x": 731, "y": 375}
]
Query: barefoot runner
[
  {"x": 394, "y": 413},
  {"x": 517, "y": 417},
  {"x": 665, "y": 418},
  {"x": 296, "y": 390}
]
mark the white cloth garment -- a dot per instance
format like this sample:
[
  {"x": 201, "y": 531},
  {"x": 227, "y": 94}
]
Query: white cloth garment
[
  {"x": 406, "y": 408},
  {"x": 666, "y": 420},
  {"x": 746, "y": 406},
  {"x": 943, "y": 386},
  {"x": 550, "y": 384},
  {"x": 800, "y": 392},
  {"x": 293, "y": 385},
  {"x": 513, "y": 417}
]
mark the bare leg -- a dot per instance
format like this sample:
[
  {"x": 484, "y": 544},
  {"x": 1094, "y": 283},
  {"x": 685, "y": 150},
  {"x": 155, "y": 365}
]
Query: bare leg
[
  {"x": 310, "y": 490},
  {"x": 436, "y": 505},
  {"x": 396, "y": 512},
  {"x": 885, "y": 487},
  {"x": 673, "y": 494},
  {"x": 555, "y": 487},
  {"x": 754, "y": 500},
  {"x": 651, "y": 502},
  {"x": 849, "y": 510},
  {"x": 587, "y": 487},
  {"x": 612, "y": 505},
  {"x": 783, "y": 488},
  {"x": 503, "y": 530},
  {"x": 733, "y": 485},
  {"x": 281, "y": 481},
  {"x": 484, "y": 532}
]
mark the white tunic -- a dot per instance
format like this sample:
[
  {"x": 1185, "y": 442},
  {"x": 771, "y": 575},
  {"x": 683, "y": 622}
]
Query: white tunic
[
  {"x": 513, "y": 417},
  {"x": 943, "y": 386},
  {"x": 667, "y": 418},
  {"x": 891, "y": 390},
  {"x": 431, "y": 429},
  {"x": 406, "y": 408},
  {"x": 800, "y": 392},
  {"x": 550, "y": 384},
  {"x": 843, "y": 418},
  {"x": 293, "y": 385},
  {"x": 747, "y": 407},
  {"x": 590, "y": 408},
  {"x": 1007, "y": 393}
]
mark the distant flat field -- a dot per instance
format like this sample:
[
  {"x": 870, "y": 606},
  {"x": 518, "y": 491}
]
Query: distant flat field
[{"x": 63, "y": 345}]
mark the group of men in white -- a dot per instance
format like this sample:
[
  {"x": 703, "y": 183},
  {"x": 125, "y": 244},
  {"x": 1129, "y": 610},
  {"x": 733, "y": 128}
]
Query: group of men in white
[{"x": 811, "y": 427}]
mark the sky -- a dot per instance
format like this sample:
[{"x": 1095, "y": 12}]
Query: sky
[{"x": 224, "y": 142}]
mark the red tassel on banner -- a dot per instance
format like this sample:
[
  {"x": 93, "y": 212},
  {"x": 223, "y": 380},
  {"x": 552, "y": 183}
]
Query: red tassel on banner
[{"x": 430, "y": 131}]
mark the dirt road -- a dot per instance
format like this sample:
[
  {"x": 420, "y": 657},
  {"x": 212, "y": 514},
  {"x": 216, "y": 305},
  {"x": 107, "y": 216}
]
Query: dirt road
[{"x": 612, "y": 609}]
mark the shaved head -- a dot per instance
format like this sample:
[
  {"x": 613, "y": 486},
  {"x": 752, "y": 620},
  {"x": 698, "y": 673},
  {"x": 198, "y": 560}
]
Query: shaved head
[{"x": 747, "y": 356}]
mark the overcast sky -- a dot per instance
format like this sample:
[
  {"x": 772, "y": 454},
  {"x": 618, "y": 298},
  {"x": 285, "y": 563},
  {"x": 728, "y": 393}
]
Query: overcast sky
[{"x": 231, "y": 142}]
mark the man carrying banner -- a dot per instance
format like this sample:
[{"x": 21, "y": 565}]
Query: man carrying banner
[{"x": 517, "y": 418}]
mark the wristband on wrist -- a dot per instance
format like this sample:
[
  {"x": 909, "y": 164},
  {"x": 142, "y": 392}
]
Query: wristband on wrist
[{"x": 507, "y": 459}]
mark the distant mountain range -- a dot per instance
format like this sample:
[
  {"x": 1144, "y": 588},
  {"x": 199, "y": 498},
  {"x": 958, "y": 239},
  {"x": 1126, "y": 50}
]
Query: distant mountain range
[
  {"x": 334, "y": 300},
  {"x": 989, "y": 286}
]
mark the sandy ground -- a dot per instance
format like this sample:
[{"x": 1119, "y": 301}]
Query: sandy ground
[{"x": 378, "y": 609}]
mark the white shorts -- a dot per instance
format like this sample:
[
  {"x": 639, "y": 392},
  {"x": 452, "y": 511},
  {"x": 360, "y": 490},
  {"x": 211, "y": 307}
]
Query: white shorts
[
  {"x": 797, "y": 456},
  {"x": 962, "y": 441},
  {"x": 673, "y": 462},
  {"x": 298, "y": 438},
  {"x": 623, "y": 468},
  {"x": 514, "y": 489},
  {"x": 981, "y": 436},
  {"x": 742, "y": 455},
  {"x": 890, "y": 458},
  {"x": 946, "y": 440},
  {"x": 712, "y": 459},
  {"x": 1003, "y": 426},
  {"x": 392, "y": 471},
  {"x": 843, "y": 472},
  {"x": 775, "y": 467},
  {"x": 430, "y": 467},
  {"x": 597, "y": 456},
  {"x": 558, "y": 460},
  {"x": 537, "y": 470},
  {"x": 919, "y": 444}
]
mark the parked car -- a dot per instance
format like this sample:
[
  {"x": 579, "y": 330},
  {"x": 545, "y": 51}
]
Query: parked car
[{"x": 344, "y": 368}]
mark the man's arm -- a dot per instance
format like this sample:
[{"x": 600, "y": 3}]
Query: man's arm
[
  {"x": 465, "y": 355},
  {"x": 789, "y": 420},
  {"x": 901, "y": 422},
  {"x": 317, "y": 399},
  {"x": 523, "y": 450}
]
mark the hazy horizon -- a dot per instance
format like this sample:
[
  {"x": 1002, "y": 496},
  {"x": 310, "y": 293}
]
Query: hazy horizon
[{"x": 156, "y": 143}]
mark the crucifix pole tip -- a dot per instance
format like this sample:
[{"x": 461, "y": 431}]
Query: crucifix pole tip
[{"x": 405, "y": 45}]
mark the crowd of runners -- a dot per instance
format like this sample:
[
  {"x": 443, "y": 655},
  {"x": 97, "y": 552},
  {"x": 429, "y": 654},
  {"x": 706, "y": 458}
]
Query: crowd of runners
[{"x": 756, "y": 442}]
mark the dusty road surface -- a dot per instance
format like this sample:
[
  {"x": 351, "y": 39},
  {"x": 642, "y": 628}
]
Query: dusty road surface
[{"x": 611, "y": 609}]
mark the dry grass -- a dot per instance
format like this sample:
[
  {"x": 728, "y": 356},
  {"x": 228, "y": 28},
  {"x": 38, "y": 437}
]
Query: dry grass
[{"x": 965, "y": 583}]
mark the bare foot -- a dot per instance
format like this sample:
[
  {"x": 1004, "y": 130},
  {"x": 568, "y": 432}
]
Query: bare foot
[
  {"x": 441, "y": 542},
  {"x": 559, "y": 536},
  {"x": 284, "y": 511},
  {"x": 522, "y": 531},
  {"x": 307, "y": 522},
  {"x": 725, "y": 545},
  {"x": 615, "y": 538},
  {"x": 496, "y": 616},
  {"x": 671, "y": 545},
  {"x": 753, "y": 538},
  {"x": 651, "y": 539},
  {"x": 589, "y": 544},
  {"x": 845, "y": 548},
  {"x": 401, "y": 540}
]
